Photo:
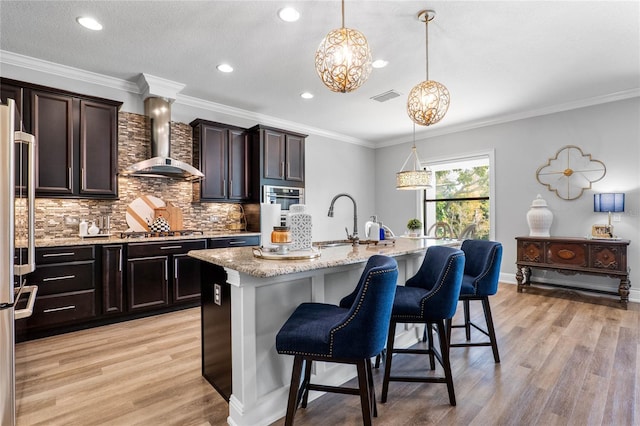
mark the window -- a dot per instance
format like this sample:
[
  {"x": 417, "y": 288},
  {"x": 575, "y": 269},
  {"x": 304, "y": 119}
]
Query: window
[{"x": 459, "y": 204}]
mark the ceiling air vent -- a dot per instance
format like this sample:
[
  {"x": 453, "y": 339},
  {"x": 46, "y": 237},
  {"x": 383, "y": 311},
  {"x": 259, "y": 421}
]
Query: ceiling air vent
[{"x": 383, "y": 97}]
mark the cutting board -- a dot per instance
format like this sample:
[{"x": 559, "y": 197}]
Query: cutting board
[
  {"x": 141, "y": 212},
  {"x": 172, "y": 214}
]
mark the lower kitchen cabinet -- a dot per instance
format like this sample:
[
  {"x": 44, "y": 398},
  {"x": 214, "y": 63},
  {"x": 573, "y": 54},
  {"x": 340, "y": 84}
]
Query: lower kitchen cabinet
[
  {"x": 112, "y": 279},
  {"x": 65, "y": 277},
  {"x": 149, "y": 268}
]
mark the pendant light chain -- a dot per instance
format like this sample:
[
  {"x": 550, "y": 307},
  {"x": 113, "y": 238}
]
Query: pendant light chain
[
  {"x": 426, "y": 26},
  {"x": 342, "y": 13}
]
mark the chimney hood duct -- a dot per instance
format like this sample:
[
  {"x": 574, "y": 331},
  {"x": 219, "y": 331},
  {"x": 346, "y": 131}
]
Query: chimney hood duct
[{"x": 161, "y": 164}]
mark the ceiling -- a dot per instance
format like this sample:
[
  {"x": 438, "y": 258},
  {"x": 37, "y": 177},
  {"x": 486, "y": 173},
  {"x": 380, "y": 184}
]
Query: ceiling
[{"x": 500, "y": 60}]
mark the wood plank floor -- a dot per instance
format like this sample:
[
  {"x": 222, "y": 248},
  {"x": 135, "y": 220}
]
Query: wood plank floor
[{"x": 564, "y": 362}]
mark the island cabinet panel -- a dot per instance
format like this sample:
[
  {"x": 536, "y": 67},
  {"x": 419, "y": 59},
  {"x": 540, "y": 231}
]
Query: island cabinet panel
[
  {"x": 222, "y": 153},
  {"x": 216, "y": 329},
  {"x": 65, "y": 277},
  {"x": 77, "y": 140}
]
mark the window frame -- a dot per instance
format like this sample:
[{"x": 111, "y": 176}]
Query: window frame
[{"x": 452, "y": 159}]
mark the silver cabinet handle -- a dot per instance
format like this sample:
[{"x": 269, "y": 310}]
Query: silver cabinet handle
[
  {"x": 70, "y": 177},
  {"x": 170, "y": 247},
  {"x": 166, "y": 271},
  {"x": 62, "y": 308},
  {"x": 288, "y": 169},
  {"x": 58, "y": 254},
  {"x": 282, "y": 169},
  {"x": 237, "y": 242},
  {"x": 63, "y": 277},
  {"x": 224, "y": 187},
  {"x": 175, "y": 268},
  {"x": 120, "y": 261}
]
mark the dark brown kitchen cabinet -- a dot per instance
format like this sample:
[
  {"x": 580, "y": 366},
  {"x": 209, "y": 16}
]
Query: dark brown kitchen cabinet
[
  {"x": 222, "y": 153},
  {"x": 278, "y": 156},
  {"x": 112, "y": 279},
  {"x": 77, "y": 141},
  {"x": 65, "y": 277},
  {"x": 160, "y": 274},
  {"x": 10, "y": 91}
]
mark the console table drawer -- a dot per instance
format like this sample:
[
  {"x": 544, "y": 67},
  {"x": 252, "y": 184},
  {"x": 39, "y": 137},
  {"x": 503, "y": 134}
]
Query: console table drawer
[
  {"x": 567, "y": 254},
  {"x": 609, "y": 258}
]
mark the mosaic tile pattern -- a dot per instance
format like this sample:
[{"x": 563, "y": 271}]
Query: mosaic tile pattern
[{"x": 53, "y": 215}]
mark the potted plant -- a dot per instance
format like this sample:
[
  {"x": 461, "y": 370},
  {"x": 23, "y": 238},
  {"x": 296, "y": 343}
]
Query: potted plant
[{"x": 415, "y": 227}]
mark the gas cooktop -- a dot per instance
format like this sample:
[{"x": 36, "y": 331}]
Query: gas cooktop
[{"x": 149, "y": 234}]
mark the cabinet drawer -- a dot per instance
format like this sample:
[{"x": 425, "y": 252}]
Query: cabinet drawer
[
  {"x": 61, "y": 308},
  {"x": 567, "y": 254},
  {"x": 612, "y": 258},
  {"x": 62, "y": 278},
  {"x": 225, "y": 242},
  {"x": 164, "y": 248},
  {"x": 64, "y": 254}
]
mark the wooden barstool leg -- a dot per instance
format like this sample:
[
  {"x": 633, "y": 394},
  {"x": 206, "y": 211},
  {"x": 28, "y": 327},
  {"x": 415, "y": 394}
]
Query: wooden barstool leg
[
  {"x": 365, "y": 395},
  {"x": 372, "y": 389},
  {"x": 429, "y": 330},
  {"x": 492, "y": 332},
  {"x": 467, "y": 320},
  {"x": 387, "y": 361},
  {"x": 446, "y": 364},
  {"x": 305, "y": 382},
  {"x": 292, "y": 403}
]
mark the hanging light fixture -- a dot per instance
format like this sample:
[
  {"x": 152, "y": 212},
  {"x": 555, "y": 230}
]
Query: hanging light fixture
[
  {"x": 428, "y": 101},
  {"x": 343, "y": 59},
  {"x": 417, "y": 178}
]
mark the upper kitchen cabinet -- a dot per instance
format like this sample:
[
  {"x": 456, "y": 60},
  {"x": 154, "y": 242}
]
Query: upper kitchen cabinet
[
  {"x": 278, "y": 156},
  {"x": 77, "y": 141},
  {"x": 222, "y": 153}
]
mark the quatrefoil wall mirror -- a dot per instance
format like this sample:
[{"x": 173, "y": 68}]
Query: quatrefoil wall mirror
[{"x": 570, "y": 172}]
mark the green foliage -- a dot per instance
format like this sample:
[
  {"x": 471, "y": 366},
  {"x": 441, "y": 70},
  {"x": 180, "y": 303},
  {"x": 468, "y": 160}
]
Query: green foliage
[
  {"x": 414, "y": 224},
  {"x": 464, "y": 183}
]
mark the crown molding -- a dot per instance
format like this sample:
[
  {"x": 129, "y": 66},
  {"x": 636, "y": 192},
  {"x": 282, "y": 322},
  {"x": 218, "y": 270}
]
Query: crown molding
[
  {"x": 456, "y": 128},
  {"x": 47, "y": 67}
]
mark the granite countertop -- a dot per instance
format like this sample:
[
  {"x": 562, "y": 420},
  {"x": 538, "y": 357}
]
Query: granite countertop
[
  {"x": 242, "y": 259},
  {"x": 114, "y": 238}
]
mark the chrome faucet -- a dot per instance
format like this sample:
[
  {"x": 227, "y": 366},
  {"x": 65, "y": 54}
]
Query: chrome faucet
[{"x": 353, "y": 237}]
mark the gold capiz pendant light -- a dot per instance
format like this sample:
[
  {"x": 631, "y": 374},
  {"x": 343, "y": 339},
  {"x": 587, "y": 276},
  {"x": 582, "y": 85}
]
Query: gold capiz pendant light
[
  {"x": 343, "y": 59},
  {"x": 428, "y": 101}
]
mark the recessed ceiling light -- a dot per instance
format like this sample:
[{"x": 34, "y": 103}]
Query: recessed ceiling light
[
  {"x": 380, "y": 63},
  {"x": 89, "y": 23},
  {"x": 289, "y": 14},
  {"x": 306, "y": 95},
  {"x": 225, "y": 68}
]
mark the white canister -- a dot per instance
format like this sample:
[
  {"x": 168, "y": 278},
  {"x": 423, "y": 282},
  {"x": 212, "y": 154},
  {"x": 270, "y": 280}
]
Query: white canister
[
  {"x": 372, "y": 231},
  {"x": 300, "y": 227},
  {"x": 539, "y": 218},
  {"x": 83, "y": 228}
]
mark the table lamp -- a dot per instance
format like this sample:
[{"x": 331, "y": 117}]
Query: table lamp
[{"x": 609, "y": 203}]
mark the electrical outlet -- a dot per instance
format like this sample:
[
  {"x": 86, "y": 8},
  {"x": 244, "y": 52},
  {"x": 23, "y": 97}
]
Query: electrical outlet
[
  {"x": 217, "y": 294},
  {"x": 616, "y": 218},
  {"x": 215, "y": 219}
]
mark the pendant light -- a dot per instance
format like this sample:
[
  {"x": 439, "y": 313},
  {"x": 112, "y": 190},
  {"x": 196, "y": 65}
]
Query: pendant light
[
  {"x": 428, "y": 101},
  {"x": 417, "y": 178},
  {"x": 343, "y": 59}
]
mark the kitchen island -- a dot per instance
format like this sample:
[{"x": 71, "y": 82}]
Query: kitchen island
[{"x": 264, "y": 293}]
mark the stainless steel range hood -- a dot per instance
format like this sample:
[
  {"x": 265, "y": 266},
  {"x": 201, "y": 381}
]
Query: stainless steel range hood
[{"x": 161, "y": 164}]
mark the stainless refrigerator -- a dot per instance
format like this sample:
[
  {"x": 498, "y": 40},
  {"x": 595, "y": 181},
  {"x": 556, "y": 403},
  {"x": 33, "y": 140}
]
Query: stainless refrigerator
[{"x": 14, "y": 264}]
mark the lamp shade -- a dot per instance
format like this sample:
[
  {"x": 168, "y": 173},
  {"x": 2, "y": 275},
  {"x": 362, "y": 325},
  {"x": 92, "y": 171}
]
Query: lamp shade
[{"x": 608, "y": 203}]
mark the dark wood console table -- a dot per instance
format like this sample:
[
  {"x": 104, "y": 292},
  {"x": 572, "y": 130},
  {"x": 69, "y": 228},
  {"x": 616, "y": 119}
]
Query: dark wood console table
[{"x": 574, "y": 256}]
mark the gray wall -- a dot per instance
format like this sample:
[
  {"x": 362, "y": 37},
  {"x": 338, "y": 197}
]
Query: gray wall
[{"x": 609, "y": 132}]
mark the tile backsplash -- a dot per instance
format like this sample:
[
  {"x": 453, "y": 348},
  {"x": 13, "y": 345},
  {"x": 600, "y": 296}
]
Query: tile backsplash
[{"x": 52, "y": 215}]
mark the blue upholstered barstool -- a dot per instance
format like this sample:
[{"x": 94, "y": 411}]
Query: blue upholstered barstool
[
  {"x": 429, "y": 297},
  {"x": 329, "y": 333},
  {"x": 480, "y": 280}
]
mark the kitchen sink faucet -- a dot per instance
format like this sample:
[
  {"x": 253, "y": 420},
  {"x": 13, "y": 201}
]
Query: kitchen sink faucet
[{"x": 354, "y": 238}]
